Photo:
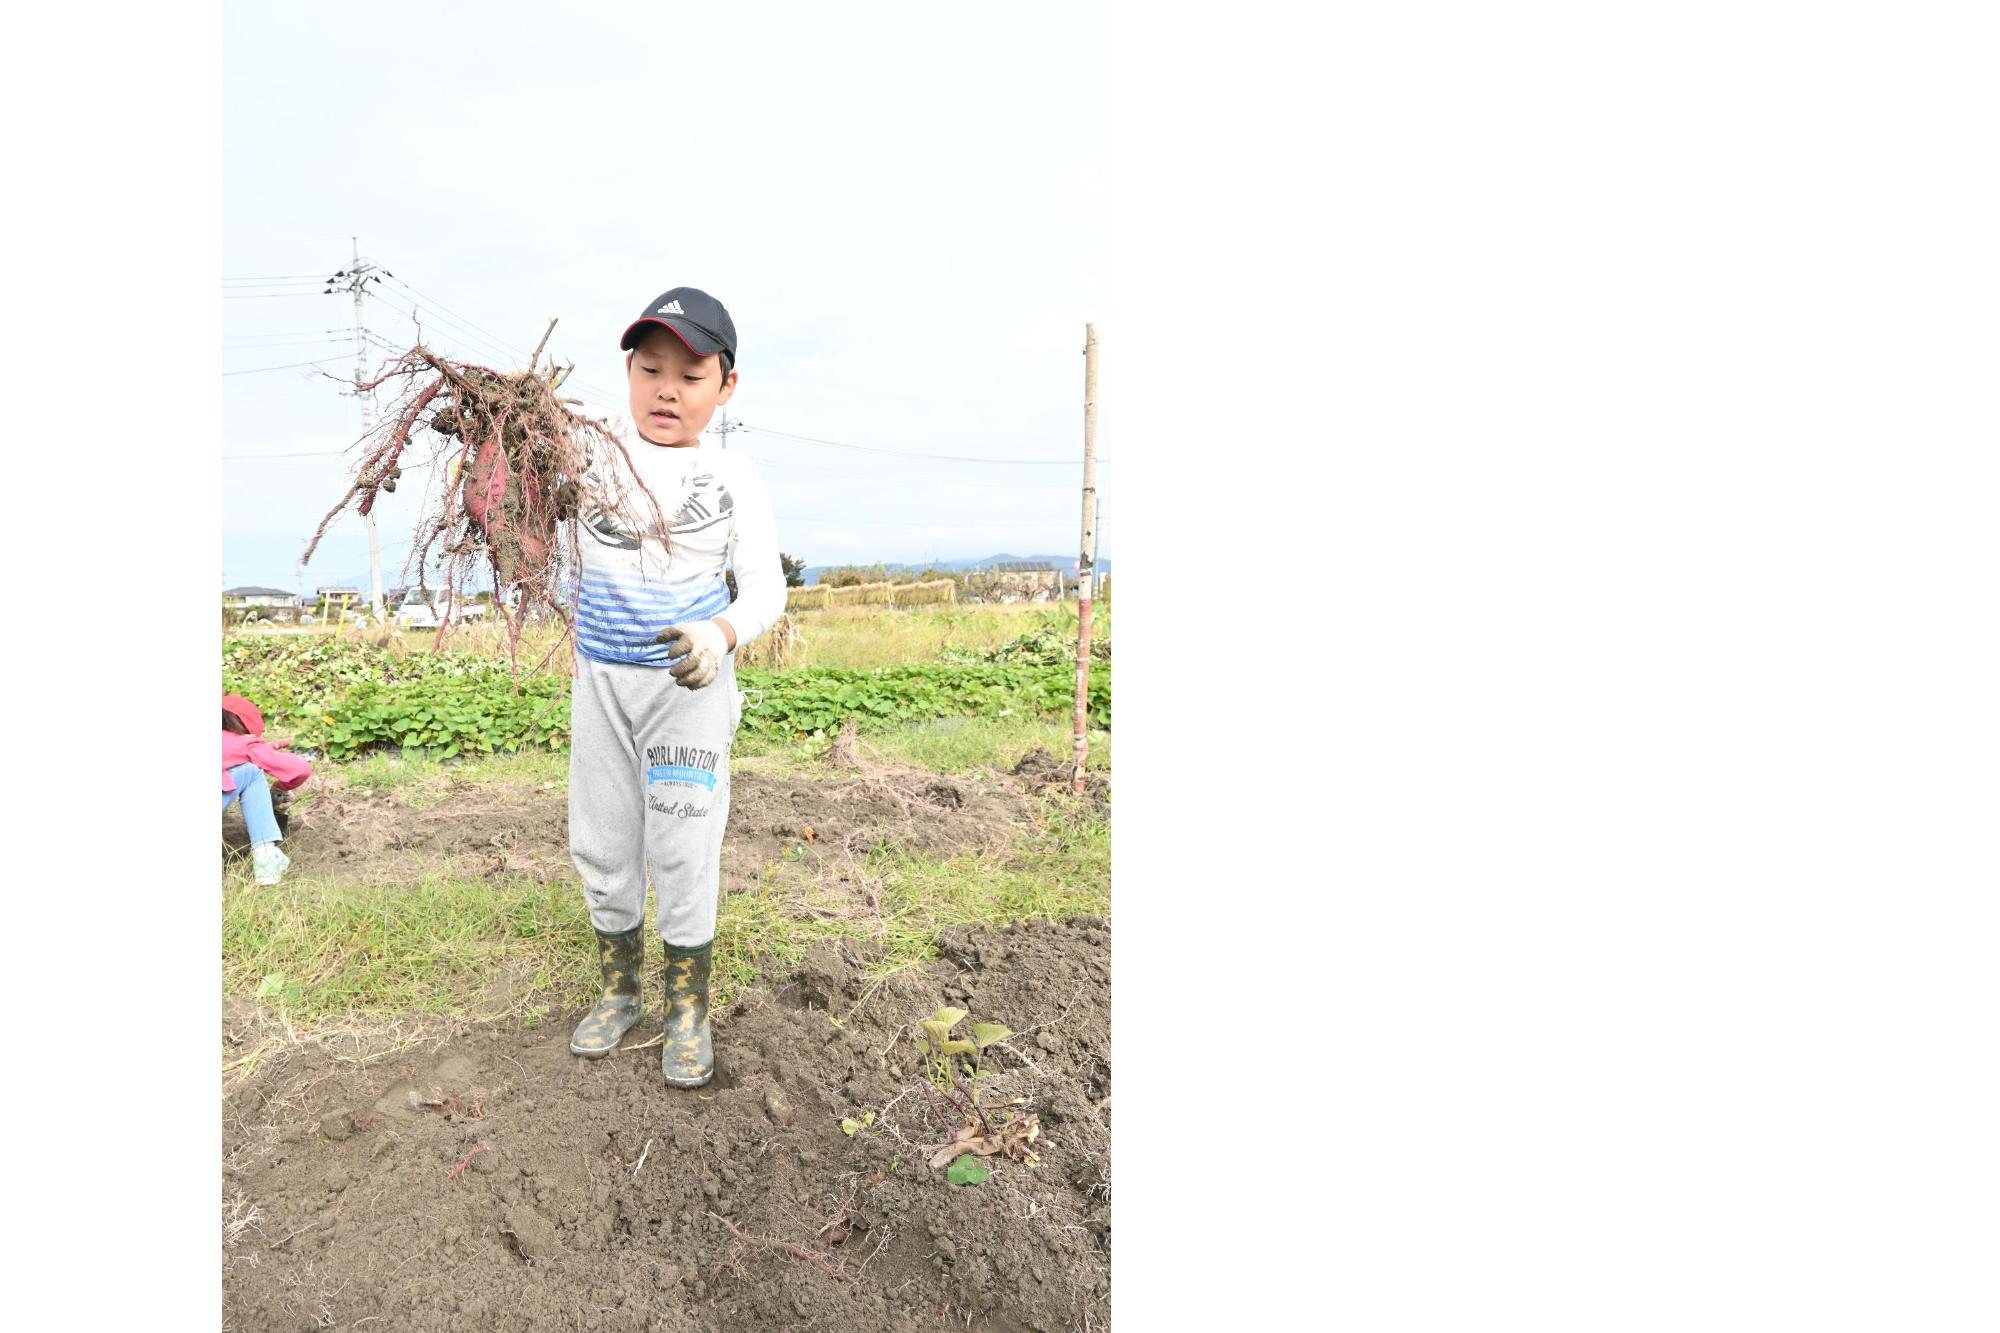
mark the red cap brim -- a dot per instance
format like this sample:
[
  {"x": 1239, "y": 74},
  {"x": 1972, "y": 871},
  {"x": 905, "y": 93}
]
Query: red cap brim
[{"x": 698, "y": 341}]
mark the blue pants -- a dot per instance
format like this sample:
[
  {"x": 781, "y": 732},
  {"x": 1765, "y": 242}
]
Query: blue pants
[{"x": 254, "y": 790}]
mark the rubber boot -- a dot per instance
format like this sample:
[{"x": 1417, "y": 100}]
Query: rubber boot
[
  {"x": 687, "y": 1056},
  {"x": 617, "y": 1009}
]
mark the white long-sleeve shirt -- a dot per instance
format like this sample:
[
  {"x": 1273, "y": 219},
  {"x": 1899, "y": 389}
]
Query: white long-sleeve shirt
[{"x": 718, "y": 515}]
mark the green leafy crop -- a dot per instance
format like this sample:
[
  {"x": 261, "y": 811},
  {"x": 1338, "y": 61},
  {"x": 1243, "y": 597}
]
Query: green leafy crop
[
  {"x": 343, "y": 697},
  {"x": 976, "y": 1129}
]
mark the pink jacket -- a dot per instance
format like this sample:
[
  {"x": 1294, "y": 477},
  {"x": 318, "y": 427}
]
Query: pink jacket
[{"x": 286, "y": 769}]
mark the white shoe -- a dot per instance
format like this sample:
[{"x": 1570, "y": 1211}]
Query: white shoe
[{"x": 269, "y": 861}]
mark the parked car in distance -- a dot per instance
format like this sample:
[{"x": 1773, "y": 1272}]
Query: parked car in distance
[
  {"x": 423, "y": 609},
  {"x": 420, "y": 609}
]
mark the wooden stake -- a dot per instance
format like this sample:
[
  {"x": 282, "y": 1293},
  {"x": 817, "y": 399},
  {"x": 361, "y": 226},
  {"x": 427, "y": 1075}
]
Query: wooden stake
[{"x": 1087, "y": 559}]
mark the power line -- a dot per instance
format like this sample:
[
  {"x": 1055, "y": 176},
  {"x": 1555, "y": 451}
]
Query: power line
[
  {"x": 287, "y": 333},
  {"x": 383, "y": 344},
  {"x": 282, "y": 342},
  {"x": 484, "y": 344},
  {"x": 491, "y": 344},
  {"x": 261, "y": 369},
  {"x": 276, "y": 296},
  {"x": 465, "y": 328},
  {"x": 510, "y": 349},
  {"x": 487, "y": 346},
  {"x": 905, "y": 476},
  {"x": 592, "y": 396},
  {"x": 258, "y": 458},
  {"x": 280, "y": 277},
  {"x": 905, "y": 453},
  {"x": 568, "y": 384},
  {"x": 934, "y": 523},
  {"x": 453, "y": 317}
]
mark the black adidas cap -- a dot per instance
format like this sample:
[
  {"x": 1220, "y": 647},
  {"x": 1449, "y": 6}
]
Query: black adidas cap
[{"x": 697, "y": 317}]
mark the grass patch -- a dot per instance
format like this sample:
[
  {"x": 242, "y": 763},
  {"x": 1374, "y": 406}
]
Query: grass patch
[
  {"x": 409, "y": 770},
  {"x": 866, "y": 637},
  {"x": 945, "y": 745},
  {"x": 961, "y": 744},
  {"x": 779, "y": 756},
  {"x": 1064, "y": 870},
  {"x": 512, "y": 947},
  {"x": 437, "y": 946}
]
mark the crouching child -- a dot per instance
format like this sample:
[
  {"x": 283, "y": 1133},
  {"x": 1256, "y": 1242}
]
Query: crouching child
[{"x": 251, "y": 768}]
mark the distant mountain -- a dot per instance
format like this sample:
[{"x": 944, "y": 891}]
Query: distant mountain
[
  {"x": 1065, "y": 563},
  {"x": 392, "y": 574}
]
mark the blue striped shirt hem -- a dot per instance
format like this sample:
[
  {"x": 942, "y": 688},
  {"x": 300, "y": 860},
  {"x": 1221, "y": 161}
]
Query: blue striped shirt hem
[{"x": 616, "y": 621}]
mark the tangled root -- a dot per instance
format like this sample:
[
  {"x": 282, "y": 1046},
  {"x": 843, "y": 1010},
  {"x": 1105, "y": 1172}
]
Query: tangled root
[{"x": 512, "y": 457}]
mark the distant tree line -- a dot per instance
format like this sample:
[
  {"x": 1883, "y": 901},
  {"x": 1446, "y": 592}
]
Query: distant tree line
[{"x": 795, "y": 574}]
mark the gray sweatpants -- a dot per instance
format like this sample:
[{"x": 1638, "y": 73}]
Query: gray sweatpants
[{"x": 649, "y": 786}]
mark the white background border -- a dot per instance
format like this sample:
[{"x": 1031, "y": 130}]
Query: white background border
[{"x": 1553, "y": 857}]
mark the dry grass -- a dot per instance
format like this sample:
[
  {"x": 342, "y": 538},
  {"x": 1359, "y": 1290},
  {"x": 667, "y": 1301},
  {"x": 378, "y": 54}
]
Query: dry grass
[
  {"x": 377, "y": 966},
  {"x": 781, "y": 646},
  {"x": 865, "y": 637}
]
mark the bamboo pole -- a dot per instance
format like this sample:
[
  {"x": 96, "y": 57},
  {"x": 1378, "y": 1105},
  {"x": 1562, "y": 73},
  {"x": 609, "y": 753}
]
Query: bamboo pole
[{"x": 1086, "y": 560}]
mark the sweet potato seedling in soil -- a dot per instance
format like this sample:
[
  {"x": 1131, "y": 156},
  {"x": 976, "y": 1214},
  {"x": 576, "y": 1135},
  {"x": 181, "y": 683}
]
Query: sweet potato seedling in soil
[
  {"x": 513, "y": 461},
  {"x": 981, "y": 1129}
]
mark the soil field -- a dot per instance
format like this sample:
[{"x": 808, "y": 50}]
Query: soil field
[
  {"x": 487, "y": 1179},
  {"x": 475, "y": 828}
]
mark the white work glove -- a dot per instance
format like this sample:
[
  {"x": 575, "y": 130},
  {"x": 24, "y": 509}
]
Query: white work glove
[{"x": 700, "y": 646}]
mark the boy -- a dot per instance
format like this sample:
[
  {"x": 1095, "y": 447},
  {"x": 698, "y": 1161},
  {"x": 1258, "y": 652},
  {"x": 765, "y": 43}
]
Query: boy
[{"x": 654, "y": 706}]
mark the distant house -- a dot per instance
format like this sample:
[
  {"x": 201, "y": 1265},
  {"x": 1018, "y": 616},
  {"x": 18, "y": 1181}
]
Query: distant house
[
  {"x": 243, "y": 606},
  {"x": 1016, "y": 581},
  {"x": 338, "y": 601},
  {"x": 247, "y": 597}
]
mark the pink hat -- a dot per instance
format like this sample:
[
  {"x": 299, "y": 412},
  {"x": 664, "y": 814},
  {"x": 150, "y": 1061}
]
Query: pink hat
[{"x": 245, "y": 710}]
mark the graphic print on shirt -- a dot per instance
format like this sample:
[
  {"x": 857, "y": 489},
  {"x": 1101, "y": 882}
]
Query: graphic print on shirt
[
  {"x": 706, "y": 503},
  {"x": 658, "y": 546},
  {"x": 599, "y": 525}
]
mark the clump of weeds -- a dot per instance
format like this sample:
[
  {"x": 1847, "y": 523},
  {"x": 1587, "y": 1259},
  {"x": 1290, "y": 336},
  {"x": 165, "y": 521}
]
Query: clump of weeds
[{"x": 977, "y": 1128}]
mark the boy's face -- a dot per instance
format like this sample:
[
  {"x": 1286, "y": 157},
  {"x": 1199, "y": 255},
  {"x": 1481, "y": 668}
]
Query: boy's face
[{"x": 674, "y": 392}]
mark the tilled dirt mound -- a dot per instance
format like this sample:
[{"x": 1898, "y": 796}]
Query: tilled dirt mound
[
  {"x": 497, "y": 1182},
  {"x": 480, "y": 828},
  {"x": 1041, "y": 771}
]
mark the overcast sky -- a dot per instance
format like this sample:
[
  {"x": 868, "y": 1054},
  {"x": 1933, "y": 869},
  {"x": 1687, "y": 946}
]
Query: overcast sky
[{"x": 900, "y": 203}]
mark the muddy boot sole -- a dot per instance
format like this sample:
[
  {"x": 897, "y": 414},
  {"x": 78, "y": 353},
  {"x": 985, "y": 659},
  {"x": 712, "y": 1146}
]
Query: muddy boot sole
[
  {"x": 701, "y": 1082},
  {"x": 611, "y": 1028}
]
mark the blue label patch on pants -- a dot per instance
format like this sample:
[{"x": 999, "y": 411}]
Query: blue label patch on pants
[{"x": 676, "y": 773}]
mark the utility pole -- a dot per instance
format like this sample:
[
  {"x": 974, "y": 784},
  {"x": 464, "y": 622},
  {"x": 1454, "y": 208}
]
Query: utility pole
[
  {"x": 1085, "y": 564},
  {"x": 354, "y": 279},
  {"x": 722, "y": 431}
]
